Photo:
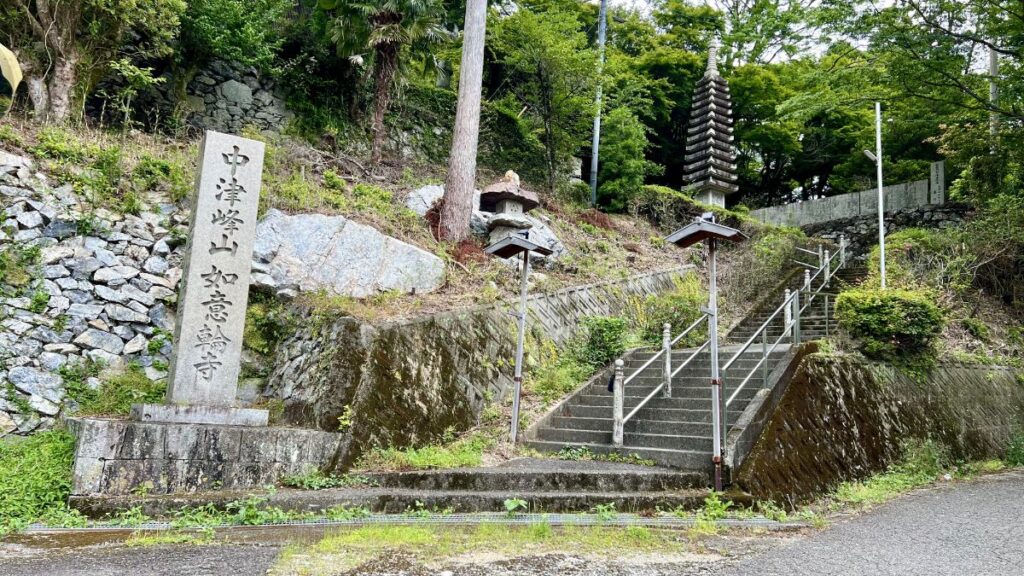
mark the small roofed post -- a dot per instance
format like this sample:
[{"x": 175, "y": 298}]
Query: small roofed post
[
  {"x": 509, "y": 247},
  {"x": 705, "y": 229},
  {"x": 510, "y": 202}
]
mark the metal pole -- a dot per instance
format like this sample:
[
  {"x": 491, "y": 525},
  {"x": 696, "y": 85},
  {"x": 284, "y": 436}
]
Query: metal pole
[
  {"x": 519, "y": 345},
  {"x": 716, "y": 381},
  {"x": 788, "y": 312},
  {"x": 842, "y": 250},
  {"x": 595, "y": 145},
  {"x": 618, "y": 400},
  {"x": 796, "y": 317},
  {"x": 666, "y": 347},
  {"x": 821, "y": 255},
  {"x": 881, "y": 193},
  {"x": 828, "y": 268}
]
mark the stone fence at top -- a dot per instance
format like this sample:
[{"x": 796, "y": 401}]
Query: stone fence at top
[{"x": 897, "y": 197}]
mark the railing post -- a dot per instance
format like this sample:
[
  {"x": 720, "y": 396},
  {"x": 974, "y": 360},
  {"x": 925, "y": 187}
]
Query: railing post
[
  {"x": 821, "y": 255},
  {"x": 842, "y": 250},
  {"x": 787, "y": 313},
  {"x": 666, "y": 347},
  {"x": 618, "y": 401},
  {"x": 796, "y": 317},
  {"x": 826, "y": 315},
  {"x": 764, "y": 358},
  {"x": 828, "y": 269},
  {"x": 807, "y": 280}
]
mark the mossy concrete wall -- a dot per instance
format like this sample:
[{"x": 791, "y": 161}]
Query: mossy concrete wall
[
  {"x": 844, "y": 418},
  {"x": 408, "y": 383}
]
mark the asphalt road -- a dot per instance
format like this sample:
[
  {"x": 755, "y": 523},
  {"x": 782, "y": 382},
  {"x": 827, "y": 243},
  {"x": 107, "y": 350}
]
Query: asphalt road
[{"x": 970, "y": 528}]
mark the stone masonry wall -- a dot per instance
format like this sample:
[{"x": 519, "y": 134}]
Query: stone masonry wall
[
  {"x": 844, "y": 418},
  {"x": 862, "y": 231},
  {"x": 408, "y": 383}
]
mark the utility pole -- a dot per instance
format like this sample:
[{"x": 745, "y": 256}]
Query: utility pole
[
  {"x": 602, "y": 33},
  {"x": 881, "y": 192},
  {"x": 993, "y": 95}
]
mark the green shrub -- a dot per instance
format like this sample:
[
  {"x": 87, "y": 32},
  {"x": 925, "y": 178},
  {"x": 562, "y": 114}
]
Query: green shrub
[
  {"x": 604, "y": 339},
  {"x": 35, "y": 477},
  {"x": 58, "y": 144},
  {"x": 680, "y": 308},
  {"x": 267, "y": 322},
  {"x": 117, "y": 393},
  {"x": 158, "y": 174},
  {"x": 1015, "y": 451},
  {"x": 889, "y": 323}
]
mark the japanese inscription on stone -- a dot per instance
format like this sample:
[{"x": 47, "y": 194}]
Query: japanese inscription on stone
[{"x": 215, "y": 290}]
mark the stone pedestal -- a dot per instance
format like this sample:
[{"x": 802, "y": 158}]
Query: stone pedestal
[{"x": 120, "y": 457}]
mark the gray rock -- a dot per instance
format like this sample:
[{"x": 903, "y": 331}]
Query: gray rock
[
  {"x": 161, "y": 318},
  {"x": 84, "y": 267},
  {"x": 96, "y": 339},
  {"x": 84, "y": 310},
  {"x": 315, "y": 252},
  {"x": 115, "y": 274},
  {"x": 27, "y": 235},
  {"x": 78, "y": 296},
  {"x": 37, "y": 383},
  {"x": 110, "y": 295},
  {"x": 236, "y": 92},
  {"x": 60, "y": 229},
  {"x": 122, "y": 314},
  {"x": 30, "y": 219},
  {"x": 54, "y": 254},
  {"x": 155, "y": 265},
  {"x": 135, "y": 345},
  {"x": 7, "y": 424},
  {"x": 54, "y": 271},
  {"x": 52, "y": 361},
  {"x": 421, "y": 199}
]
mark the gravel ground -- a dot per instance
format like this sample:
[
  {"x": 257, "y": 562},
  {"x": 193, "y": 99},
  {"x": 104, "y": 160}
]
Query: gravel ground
[{"x": 963, "y": 528}]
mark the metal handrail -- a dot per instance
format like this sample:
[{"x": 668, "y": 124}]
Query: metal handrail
[
  {"x": 812, "y": 252},
  {"x": 648, "y": 363},
  {"x": 764, "y": 358},
  {"x": 757, "y": 333},
  {"x": 662, "y": 351},
  {"x": 814, "y": 293}
]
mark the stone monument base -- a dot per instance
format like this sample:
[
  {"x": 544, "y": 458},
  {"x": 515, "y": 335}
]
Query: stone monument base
[
  {"x": 221, "y": 416},
  {"x": 123, "y": 457}
]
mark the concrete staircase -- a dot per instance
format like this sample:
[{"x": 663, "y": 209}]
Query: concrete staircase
[
  {"x": 674, "y": 431},
  {"x": 677, "y": 431},
  {"x": 817, "y": 321}
]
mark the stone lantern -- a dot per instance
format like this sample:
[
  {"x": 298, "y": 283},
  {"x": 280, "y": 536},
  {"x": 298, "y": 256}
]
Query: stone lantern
[{"x": 509, "y": 202}]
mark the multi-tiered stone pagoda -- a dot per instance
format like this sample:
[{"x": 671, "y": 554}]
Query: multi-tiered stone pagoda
[{"x": 710, "y": 153}]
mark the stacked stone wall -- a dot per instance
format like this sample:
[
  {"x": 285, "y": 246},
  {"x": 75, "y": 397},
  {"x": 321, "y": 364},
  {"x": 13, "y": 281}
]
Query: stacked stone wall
[{"x": 862, "y": 231}]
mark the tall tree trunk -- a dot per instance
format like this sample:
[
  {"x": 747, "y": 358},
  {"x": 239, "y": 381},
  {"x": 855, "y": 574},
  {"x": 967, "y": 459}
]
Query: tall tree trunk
[
  {"x": 384, "y": 75},
  {"x": 457, "y": 204},
  {"x": 62, "y": 84}
]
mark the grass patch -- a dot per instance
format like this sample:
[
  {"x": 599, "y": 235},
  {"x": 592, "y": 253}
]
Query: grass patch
[
  {"x": 318, "y": 481},
  {"x": 35, "y": 478},
  {"x": 347, "y": 549},
  {"x": 116, "y": 393},
  {"x": 16, "y": 265},
  {"x": 462, "y": 453},
  {"x": 923, "y": 462},
  {"x": 145, "y": 539}
]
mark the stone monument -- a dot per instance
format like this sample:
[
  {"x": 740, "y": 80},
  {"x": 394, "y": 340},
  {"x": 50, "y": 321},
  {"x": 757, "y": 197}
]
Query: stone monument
[
  {"x": 710, "y": 161},
  {"x": 205, "y": 364},
  {"x": 199, "y": 439}
]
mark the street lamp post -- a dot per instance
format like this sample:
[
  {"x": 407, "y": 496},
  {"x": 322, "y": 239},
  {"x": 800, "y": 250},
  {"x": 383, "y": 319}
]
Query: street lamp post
[
  {"x": 877, "y": 158},
  {"x": 507, "y": 248},
  {"x": 706, "y": 229}
]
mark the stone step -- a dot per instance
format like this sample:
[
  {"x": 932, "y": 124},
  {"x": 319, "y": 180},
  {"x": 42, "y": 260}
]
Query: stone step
[
  {"x": 691, "y": 460},
  {"x": 635, "y": 425},
  {"x": 534, "y": 475},
  {"x": 647, "y": 412},
  {"x": 633, "y": 439}
]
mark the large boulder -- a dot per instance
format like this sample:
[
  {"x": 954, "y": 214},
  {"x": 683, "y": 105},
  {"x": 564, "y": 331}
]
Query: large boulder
[{"x": 313, "y": 251}]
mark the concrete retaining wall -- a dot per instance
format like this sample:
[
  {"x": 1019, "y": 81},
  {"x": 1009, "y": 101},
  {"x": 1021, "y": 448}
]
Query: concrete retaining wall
[
  {"x": 408, "y": 383},
  {"x": 897, "y": 197},
  {"x": 845, "y": 418}
]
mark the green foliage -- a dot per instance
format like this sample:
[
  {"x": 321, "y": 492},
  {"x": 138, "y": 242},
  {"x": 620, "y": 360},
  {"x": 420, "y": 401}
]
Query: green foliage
[
  {"x": 551, "y": 70},
  {"x": 58, "y": 144},
  {"x": 16, "y": 264},
  {"x": 159, "y": 174},
  {"x": 316, "y": 480},
  {"x": 623, "y": 165},
  {"x": 890, "y": 324},
  {"x": 514, "y": 505},
  {"x": 267, "y": 322},
  {"x": 1015, "y": 450},
  {"x": 604, "y": 340},
  {"x": 605, "y": 512},
  {"x": 244, "y": 31},
  {"x": 35, "y": 477},
  {"x": 922, "y": 463},
  {"x": 464, "y": 452},
  {"x": 75, "y": 376},
  {"x": 508, "y": 141},
  {"x": 714, "y": 507},
  {"x": 118, "y": 392},
  {"x": 679, "y": 307}
]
